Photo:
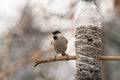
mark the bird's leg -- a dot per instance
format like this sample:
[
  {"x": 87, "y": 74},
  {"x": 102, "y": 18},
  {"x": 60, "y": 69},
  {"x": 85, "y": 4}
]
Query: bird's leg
[
  {"x": 64, "y": 54},
  {"x": 55, "y": 56}
]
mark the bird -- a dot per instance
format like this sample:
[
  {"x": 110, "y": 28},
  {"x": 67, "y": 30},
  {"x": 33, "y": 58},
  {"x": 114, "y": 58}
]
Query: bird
[{"x": 59, "y": 43}]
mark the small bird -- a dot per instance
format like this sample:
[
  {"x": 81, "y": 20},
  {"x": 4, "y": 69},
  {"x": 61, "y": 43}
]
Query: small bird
[{"x": 59, "y": 43}]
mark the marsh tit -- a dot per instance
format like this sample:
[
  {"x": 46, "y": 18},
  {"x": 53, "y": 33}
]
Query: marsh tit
[{"x": 59, "y": 43}]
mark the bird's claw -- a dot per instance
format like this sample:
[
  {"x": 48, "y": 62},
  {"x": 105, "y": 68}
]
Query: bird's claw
[
  {"x": 62, "y": 55},
  {"x": 67, "y": 57}
]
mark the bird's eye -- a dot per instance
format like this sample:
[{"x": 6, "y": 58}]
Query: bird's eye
[{"x": 55, "y": 37}]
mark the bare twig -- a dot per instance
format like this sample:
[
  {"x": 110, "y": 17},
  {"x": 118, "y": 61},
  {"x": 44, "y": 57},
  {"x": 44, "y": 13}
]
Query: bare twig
[{"x": 64, "y": 58}]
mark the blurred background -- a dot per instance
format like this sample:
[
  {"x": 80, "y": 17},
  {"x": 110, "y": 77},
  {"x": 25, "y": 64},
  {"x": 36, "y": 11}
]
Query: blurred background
[{"x": 25, "y": 35}]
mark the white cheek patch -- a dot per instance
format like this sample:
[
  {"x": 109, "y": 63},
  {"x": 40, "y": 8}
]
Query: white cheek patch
[{"x": 59, "y": 36}]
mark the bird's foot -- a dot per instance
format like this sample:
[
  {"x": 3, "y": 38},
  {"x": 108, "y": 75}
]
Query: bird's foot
[{"x": 66, "y": 56}]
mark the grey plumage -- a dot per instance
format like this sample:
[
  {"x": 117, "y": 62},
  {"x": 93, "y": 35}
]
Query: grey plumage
[{"x": 59, "y": 43}]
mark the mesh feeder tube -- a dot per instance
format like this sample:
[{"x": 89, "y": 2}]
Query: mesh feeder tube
[{"x": 88, "y": 42}]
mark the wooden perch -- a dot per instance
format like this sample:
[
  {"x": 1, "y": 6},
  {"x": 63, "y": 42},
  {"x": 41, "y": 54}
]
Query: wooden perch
[
  {"x": 64, "y": 58},
  {"x": 115, "y": 58}
]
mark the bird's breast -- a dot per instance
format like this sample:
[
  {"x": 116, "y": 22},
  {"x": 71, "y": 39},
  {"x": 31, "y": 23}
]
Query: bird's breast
[{"x": 60, "y": 46}]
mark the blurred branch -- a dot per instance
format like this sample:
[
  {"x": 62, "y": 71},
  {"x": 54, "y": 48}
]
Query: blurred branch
[
  {"x": 6, "y": 55},
  {"x": 25, "y": 20},
  {"x": 117, "y": 6},
  {"x": 24, "y": 61},
  {"x": 64, "y": 58},
  {"x": 18, "y": 65}
]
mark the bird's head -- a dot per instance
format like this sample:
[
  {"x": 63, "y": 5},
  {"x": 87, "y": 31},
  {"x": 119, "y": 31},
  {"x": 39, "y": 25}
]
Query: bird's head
[{"x": 56, "y": 34}]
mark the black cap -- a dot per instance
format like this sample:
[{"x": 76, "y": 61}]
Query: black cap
[
  {"x": 87, "y": 0},
  {"x": 56, "y": 32}
]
